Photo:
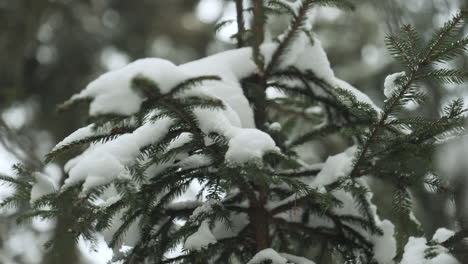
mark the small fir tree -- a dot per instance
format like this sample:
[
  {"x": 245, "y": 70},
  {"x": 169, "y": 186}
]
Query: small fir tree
[{"x": 229, "y": 126}]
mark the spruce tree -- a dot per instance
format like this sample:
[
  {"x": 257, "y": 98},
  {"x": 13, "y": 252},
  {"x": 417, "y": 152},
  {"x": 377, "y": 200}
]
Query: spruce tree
[{"x": 229, "y": 126}]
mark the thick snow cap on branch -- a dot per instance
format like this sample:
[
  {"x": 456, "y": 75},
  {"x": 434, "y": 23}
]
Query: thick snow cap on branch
[
  {"x": 390, "y": 85},
  {"x": 278, "y": 258},
  {"x": 268, "y": 254},
  {"x": 296, "y": 259},
  {"x": 335, "y": 166},
  {"x": 102, "y": 163},
  {"x": 112, "y": 93}
]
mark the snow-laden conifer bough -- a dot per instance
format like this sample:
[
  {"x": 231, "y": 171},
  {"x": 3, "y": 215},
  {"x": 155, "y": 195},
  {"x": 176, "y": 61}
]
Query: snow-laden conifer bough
[{"x": 227, "y": 127}]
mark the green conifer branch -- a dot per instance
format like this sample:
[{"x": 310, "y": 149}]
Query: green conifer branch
[
  {"x": 191, "y": 82},
  {"x": 401, "y": 94},
  {"x": 453, "y": 76},
  {"x": 115, "y": 132},
  {"x": 295, "y": 27},
  {"x": 440, "y": 37}
]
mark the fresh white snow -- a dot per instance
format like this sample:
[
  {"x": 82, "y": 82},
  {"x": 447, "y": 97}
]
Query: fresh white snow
[
  {"x": 296, "y": 259},
  {"x": 415, "y": 250},
  {"x": 389, "y": 85},
  {"x": 200, "y": 239},
  {"x": 79, "y": 134},
  {"x": 205, "y": 208},
  {"x": 43, "y": 186},
  {"x": 102, "y": 163},
  {"x": 268, "y": 254},
  {"x": 442, "y": 234},
  {"x": 249, "y": 145},
  {"x": 335, "y": 167},
  {"x": 112, "y": 93}
]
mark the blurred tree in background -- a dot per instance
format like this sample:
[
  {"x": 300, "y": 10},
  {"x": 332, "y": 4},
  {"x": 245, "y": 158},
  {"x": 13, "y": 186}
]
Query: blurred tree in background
[{"x": 52, "y": 49}]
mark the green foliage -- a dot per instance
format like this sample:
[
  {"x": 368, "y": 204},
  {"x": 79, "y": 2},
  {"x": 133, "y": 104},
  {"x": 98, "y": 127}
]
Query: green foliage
[
  {"x": 447, "y": 76},
  {"x": 21, "y": 183}
]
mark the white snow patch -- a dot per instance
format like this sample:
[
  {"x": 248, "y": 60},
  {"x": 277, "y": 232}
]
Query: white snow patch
[
  {"x": 268, "y": 254},
  {"x": 249, "y": 145},
  {"x": 112, "y": 92},
  {"x": 360, "y": 96},
  {"x": 415, "y": 250},
  {"x": 335, "y": 167},
  {"x": 314, "y": 110},
  {"x": 195, "y": 161},
  {"x": 442, "y": 234},
  {"x": 239, "y": 221},
  {"x": 102, "y": 163},
  {"x": 296, "y": 259},
  {"x": 200, "y": 239},
  {"x": 79, "y": 134},
  {"x": 205, "y": 208},
  {"x": 275, "y": 126},
  {"x": 43, "y": 186},
  {"x": 98, "y": 253},
  {"x": 389, "y": 85},
  {"x": 385, "y": 246}
]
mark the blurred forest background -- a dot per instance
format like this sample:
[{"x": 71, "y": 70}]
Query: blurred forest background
[{"x": 50, "y": 49}]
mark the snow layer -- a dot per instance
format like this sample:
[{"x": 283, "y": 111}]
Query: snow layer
[
  {"x": 102, "y": 163},
  {"x": 360, "y": 96},
  {"x": 335, "y": 167},
  {"x": 94, "y": 253},
  {"x": 249, "y": 145},
  {"x": 43, "y": 186},
  {"x": 112, "y": 92},
  {"x": 245, "y": 144},
  {"x": 296, "y": 259},
  {"x": 205, "y": 208},
  {"x": 415, "y": 250},
  {"x": 79, "y": 134},
  {"x": 385, "y": 246},
  {"x": 221, "y": 230},
  {"x": 195, "y": 161},
  {"x": 442, "y": 234},
  {"x": 200, "y": 239},
  {"x": 268, "y": 254},
  {"x": 389, "y": 85}
]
